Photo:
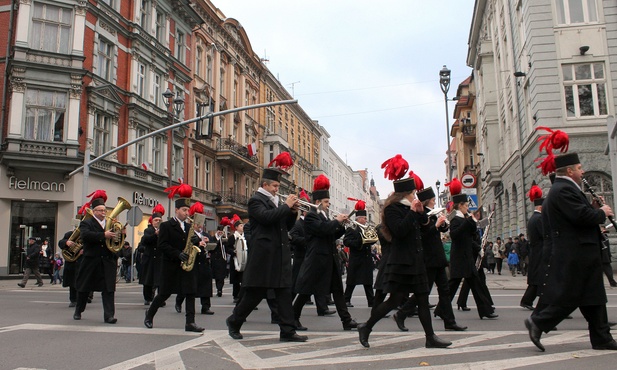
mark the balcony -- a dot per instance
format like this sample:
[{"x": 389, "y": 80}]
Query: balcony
[
  {"x": 229, "y": 203},
  {"x": 469, "y": 131},
  {"x": 35, "y": 155},
  {"x": 276, "y": 136},
  {"x": 235, "y": 155}
]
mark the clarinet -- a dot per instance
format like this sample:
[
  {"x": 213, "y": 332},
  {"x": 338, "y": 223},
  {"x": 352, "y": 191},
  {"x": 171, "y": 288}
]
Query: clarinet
[{"x": 599, "y": 200}]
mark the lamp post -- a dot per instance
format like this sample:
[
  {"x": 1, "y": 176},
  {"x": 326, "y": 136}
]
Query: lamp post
[
  {"x": 444, "y": 83},
  {"x": 174, "y": 107},
  {"x": 437, "y": 184}
]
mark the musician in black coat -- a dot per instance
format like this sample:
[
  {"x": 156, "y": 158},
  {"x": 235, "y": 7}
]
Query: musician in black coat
[
  {"x": 269, "y": 257},
  {"x": 70, "y": 268},
  {"x": 173, "y": 235},
  {"x": 360, "y": 270},
  {"x": 405, "y": 271},
  {"x": 436, "y": 263},
  {"x": 380, "y": 296},
  {"x": 97, "y": 269},
  {"x": 535, "y": 232},
  {"x": 464, "y": 248},
  {"x": 219, "y": 259},
  {"x": 574, "y": 276},
  {"x": 320, "y": 274},
  {"x": 151, "y": 255},
  {"x": 235, "y": 276}
]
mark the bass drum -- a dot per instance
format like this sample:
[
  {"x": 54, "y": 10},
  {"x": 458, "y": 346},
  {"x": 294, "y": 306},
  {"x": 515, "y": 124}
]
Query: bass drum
[{"x": 241, "y": 254}]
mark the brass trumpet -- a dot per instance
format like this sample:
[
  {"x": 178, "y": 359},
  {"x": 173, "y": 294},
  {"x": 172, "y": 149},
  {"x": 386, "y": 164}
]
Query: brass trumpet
[{"x": 304, "y": 205}]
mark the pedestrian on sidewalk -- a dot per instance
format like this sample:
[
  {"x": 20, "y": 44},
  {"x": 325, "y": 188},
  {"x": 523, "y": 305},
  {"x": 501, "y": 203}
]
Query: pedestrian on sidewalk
[
  {"x": 32, "y": 263},
  {"x": 58, "y": 263},
  {"x": 513, "y": 261}
]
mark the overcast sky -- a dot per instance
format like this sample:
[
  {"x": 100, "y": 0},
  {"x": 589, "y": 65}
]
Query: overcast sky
[{"x": 368, "y": 71}]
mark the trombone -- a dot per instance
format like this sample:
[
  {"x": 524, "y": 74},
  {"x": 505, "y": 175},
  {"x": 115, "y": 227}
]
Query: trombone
[{"x": 304, "y": 205}]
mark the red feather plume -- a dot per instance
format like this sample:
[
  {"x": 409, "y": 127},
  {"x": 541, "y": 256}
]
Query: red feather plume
[
  {"x": 555, "y": 139},
  {"x": 196, "y": 208},
  {"x": 535, "y": 193},
  {"x": 82, "y": 210},
  {"x": 417, "y": 180},
  {"x": 360, "y": 204},
  {"x": 304, "y": 195},
  {"x": 150, "y": 220},
  {"x": 183, "y": 190},
  {"x": 98, "y": 194},
  {"x": 159, "y": 209},
  {"x": 455, "y": 186},
  {"x": 225, "y": 221},
  {"x": 282, "y": 161},
  {"x": 395, "y": 167},
  {"x": 321, "y": 183},
  {"x": 547, "y": 165}
]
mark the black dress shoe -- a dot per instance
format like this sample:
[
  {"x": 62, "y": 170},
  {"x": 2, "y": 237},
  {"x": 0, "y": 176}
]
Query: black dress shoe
[
  {"x": 111, "y": 320},
  {"x": 310, "y": 303},
  {"x": 147, "y": 303},
  {"x": 77, "y": 316},
  {"x": 219, "y": 293},
  {"x": 351, "y": 324},
  {"x": 529, "y": 307},
  {"x": 89, "y": 300},
  {"x": 207, "y": 311},
  {"x": 327, "y": 313},
  {"x": 455, "y": 327},
  {"x": 148, "y": 321},
  {"x": 72, "y": 304},
  {"x": 348, "y": 304},
  {"x": 193, "y": 327},
  {"x": 399, "y": 319},
  {"x": 39, "y": 284},
  {"x": 432, "y": 306},
  {"x": 612, "y": 345},
  {"x": 294, "y": 338},
  {"x": 464, "y": 308},
  {"x": 433, "y": 341},
  {"x": 534, "y": 333},
  {"x": 329, "y": 302},
  {"x": 234, "y": 331},
  {"x": 363, "y": 333},
  {"x": 611, "y": 323},
  {"x": 300, "y": 327},
  {"x": 614, "y": 284},
  {"x": 489, "y": 316},
  {"x": 178, "y": 308},
  {"x": 164, "y": 304},
  {"x": 21, "y": 285}
]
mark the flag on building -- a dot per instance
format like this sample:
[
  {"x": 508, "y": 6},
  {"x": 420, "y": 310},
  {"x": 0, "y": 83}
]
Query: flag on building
[
  {"x": 145, "y": 166},
  {"x": 252, "y": 148}
]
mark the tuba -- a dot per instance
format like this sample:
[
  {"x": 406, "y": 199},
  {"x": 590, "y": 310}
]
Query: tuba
[
  {"x": 190, "y": 249},
  {"x": 241, "y": 254},
  {"x": 71, "y": 254},
  {"x": 112, "y": 224}
]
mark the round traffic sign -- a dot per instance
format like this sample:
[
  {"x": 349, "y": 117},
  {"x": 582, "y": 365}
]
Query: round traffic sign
[{"x": 468, "y": 180}]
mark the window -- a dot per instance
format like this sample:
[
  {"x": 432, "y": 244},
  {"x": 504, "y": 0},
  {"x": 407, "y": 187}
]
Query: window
[
  {"x": 180, "y": 48},
  {"x": 144, "y": 12},
  {"x": 156, "y": 90},
  {"x": 157, "y": 158},
  {"x": 207, "y": 171},
  {"x": 576, "y": 11},
  {"x": 234, "y": 93},
  {"x": 140, "y": 147},
  {"x": 602, "y": 186},
  {"x": 222, "y": 82},
  {"x": 106, "y": 54},
  {"x": 45, "y": 115},
  {"x": 141, "y": 79},
  {"x": 247, "y": 187},
  {"x": 178, "y": 170},
  {"x": 160, "y": 26},
  {"x": 585, "y": 90},
  {"x": 102, "y": 134},
  {"x": 223, "y": 174},
  {"x": 197, "y": 173},
  {"x": 209, "y": 70},
  {"x": 199, "y": 55},
  {"x": 51, "y": 28}
]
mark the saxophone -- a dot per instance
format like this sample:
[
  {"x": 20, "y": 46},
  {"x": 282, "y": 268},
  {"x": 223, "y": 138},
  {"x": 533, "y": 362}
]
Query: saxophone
[
  {"x": 71, "y": 254},
  {"x": 112, "y": 224},
  {"x": 484, "y": 241},
  {"x": 190, "y": 249}
]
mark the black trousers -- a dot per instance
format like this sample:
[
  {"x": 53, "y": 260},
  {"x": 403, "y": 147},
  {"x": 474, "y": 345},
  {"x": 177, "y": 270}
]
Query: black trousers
[
  {"x": 73, "y": 294},
  {"x": 464, "y": 293},
  {"x": 608, "y": 271},
  {"x": 160, "y": 299},
  {"x": 368, "y": 290},
  {"x": 395, "y": 299},
  {"x": 148, "y": 292},
  {"x": 339, "y": 302},
  {"x": 253, "y": 296},
  {"x": 596, "y": 316},
  {"x": 484, "y": 307},
  {"x": 499, "y": 262},
  {"x": 530, "y": 295},
  {"x": 205, "y": 301},
  {"x": 109, "y": 308},
  {"x": 438, "y": 276}
]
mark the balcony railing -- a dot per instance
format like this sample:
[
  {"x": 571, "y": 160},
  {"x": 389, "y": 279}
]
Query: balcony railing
[
  {"x": 236, "y": 148},
  {"x": 230, "y": 198}
]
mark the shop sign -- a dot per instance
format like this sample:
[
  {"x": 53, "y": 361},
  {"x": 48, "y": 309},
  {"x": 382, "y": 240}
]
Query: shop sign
[
  {"x": 140, "y": 199},
  {"x": 210, "y": 212},
  {"x": 34, "y": 185}
]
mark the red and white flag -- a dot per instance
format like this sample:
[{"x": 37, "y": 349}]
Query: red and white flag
[
  {"x": 145, "y": 166},
  {"x": 252, "y": 148}
]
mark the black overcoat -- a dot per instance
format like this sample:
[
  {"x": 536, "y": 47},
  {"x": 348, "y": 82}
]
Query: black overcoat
[
  {"x": 462, "y": 260},
  {"x": 360, "y": 268},
  {"x": 171, "y": 242},
  {"x": 218, "y": 259},
  {"x": 405, "y": 267},
  {"x": 70, "y": 268},
  {"x": 574, "y": 275},
  {"x": 385, "y": 254},
  {"x": 434, "y": 254},
  {"x": 269, "y": 257},
  {"x": 297, "y": 243},
  {"x": 33, "y": 253},
  {"x": 235, "y": 277},
  {"x": 151, "y": 258},
  {"x": 98, "y": 265},
  {"x": 535, "y": 233},
  {"x": 203, "y": 272},
  {"x": 319, "y": 266}
]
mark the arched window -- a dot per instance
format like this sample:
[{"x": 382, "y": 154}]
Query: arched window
[
  {"x": 602, "y": 185},
  {"x": 506, "y": 214},
  {"x": 514, "y": 208}
]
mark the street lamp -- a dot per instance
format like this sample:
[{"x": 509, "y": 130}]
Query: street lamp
[
  {"x": 174, "y": 108},
  {"x": 444, "y": 82},
  {"x": 437, "y": 183}
]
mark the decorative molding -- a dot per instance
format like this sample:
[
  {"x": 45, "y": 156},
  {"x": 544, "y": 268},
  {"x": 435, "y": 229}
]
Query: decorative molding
[
  {"x": 25, "y": 2},
  {"x": 81, "y": 7},
  {"x": 107, "y": 28}
]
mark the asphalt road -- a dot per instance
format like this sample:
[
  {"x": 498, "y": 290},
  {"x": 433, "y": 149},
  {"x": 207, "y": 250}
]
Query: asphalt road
[{"x": 37, "y": 331}]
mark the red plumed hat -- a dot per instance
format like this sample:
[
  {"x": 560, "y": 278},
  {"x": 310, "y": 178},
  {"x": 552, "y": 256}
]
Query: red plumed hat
[
  {"x": 82, "y": 210},
  {"x": 395, "y": 167},
  {"x": 321, "y": 187},
  {"x": 455, "y": 191},
  {"x": 184, "y": 191},
  {"x": 304, "y": 195},
  {"x": 225, "y": 221},
  {"x": 197, "y": 207},
  {"x": 547, "y": 165},
  {"x": 535, "y": 195},
  {"x": 97, "y": 198},
  {"x": 158, "y": 210},
  {"x": 235, "y": 220},
  {"x": 360, "y": 204},
  {"x": 556, "y": 139},
  {"x": 417, "y": 180},
  {"x": 282, "y": 161}
]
